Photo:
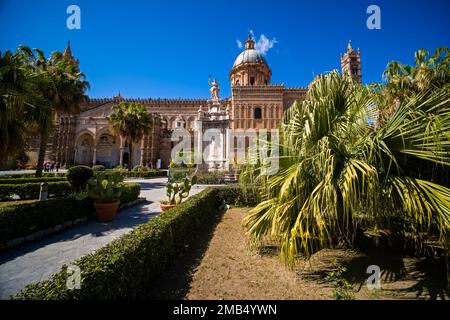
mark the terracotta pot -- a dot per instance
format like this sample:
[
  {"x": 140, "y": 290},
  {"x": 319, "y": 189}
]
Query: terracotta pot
[
  {"x": 165, "y": 207},
  {"x": 106, "y": 212}
]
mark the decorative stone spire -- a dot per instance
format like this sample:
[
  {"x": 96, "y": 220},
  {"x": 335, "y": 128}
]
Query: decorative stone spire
[
  {"x": 68, "y": 54},
  {"x": 349, "y": 47},
  {"x": 250, "y": 43}
]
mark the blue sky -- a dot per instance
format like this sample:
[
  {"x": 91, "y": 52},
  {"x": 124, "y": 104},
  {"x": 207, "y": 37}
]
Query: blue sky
[{"x": 168, "y": 48}]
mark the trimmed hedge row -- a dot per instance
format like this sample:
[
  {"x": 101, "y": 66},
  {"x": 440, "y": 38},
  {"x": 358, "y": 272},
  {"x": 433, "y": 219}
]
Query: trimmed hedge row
[
  {"x": 24, "y": 219},
  {"x": 27, "y": 191},
  {"x": 32, "y": 175},
  {"x": 31, "y": 180},
  {"x": 143, "y": 174},
  {"x": 126, "y": 267},
  {"x": 130, "y": 192}
]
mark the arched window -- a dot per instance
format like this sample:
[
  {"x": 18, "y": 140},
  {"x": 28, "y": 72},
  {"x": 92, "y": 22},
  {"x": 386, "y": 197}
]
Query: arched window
[
  {"x": 252, "y": 81},
  {"x": 237, "y": 82},
  {"x": 258, "y": 113}
]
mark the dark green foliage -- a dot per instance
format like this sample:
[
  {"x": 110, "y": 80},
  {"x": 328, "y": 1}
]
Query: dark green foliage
[
  {"x": 235, "y": 196},
  {"x": 130, "y": 192},
  {"x": 126, "y": 267},
  {"x": 98, "y": 167},
  {"x": 31, "y": 180},
  {"x": 32, "y": 175},
  {"x": 31, "y": 190},
  {"x": 143, "y": 174},
  {"x": 24, "y": 219},
  {"x": 78, "y": 176}
]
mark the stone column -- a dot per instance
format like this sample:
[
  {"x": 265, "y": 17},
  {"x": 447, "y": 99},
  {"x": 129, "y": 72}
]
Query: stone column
[
  {"x": 122, "y": 149},
  {"x": 142, "y": 160},
  {"x": 94, "y": 160}
]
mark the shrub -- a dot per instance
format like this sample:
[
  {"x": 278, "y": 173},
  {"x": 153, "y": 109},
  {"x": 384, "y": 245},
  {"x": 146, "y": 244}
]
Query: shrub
[
  {"x": 210, "y": 177},
  {"x": 98, "y": 167},
  {"x": 31, "y": 180},
  {"x": 235, "y": 196},
  {"x": 130, "y": 192},
  {"x": 23, "y": 219},
  {"x": 31, "y": 190},
  {"x": 137, "y": 168},
  {"x": 78, "y": 176},
  {"x": 127, "y": 266}
]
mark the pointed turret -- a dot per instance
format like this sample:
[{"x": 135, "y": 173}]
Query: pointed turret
[{"x": 68, "y": 54}]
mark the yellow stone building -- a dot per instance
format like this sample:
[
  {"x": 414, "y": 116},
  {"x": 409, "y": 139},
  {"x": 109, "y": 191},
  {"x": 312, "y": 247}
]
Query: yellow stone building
[{"x": 255, "y": 103}]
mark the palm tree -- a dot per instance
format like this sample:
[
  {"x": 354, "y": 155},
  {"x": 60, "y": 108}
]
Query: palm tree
[
  {"x": 131, "y": 122},
  {"x": 65, "y": 92},
  {"x": 337, "y": 172},
  {"x": 19, "y": 98},
  {"x": 428, "y": 74}
]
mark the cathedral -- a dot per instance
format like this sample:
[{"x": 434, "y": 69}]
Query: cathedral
[{"x": 255, "y": 104}]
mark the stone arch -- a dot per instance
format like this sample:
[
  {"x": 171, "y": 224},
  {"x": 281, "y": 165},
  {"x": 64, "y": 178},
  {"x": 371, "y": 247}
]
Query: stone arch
[{"x": 84, "y": 148}]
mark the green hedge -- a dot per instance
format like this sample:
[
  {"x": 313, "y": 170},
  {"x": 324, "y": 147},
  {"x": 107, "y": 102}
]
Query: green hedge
[
  {"x": 235, "y": 196},
  {"x": 130, "y": 192},
  {"x": 126, "y": 267},
  {"x": 144, "y": 174},
  {"x": 24, "y": 219},
  {"x": 31, "y": 190},
  {"x": 32, "y": 175},
  {"x": 31, "y": 180}
]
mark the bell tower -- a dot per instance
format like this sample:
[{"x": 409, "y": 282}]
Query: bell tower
[{"x": 351, "y": 63}]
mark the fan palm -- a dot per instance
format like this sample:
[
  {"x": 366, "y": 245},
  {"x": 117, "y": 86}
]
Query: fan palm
[
  {"x": 131, "y": 122},
  {"x": 19, "y": 98},
  {"x": 337, "y": 171},
  {"x": 64, "y": 90}
]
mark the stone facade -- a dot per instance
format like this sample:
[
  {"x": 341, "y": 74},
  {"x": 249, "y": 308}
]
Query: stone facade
[{"x": 255, "y": 103}]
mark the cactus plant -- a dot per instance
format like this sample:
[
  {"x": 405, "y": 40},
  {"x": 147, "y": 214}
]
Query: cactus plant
[
  {"x": 105, "y": 188},
  {"x": 176, "y": 192}
]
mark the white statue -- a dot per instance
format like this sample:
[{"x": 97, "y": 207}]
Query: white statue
[{"x": 215, "y": 88}]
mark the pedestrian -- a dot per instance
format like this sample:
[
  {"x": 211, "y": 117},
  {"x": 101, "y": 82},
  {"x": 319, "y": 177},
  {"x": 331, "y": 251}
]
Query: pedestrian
[
  {"x": 57, "y": 166},
  {"x": 52, "y": 167}
]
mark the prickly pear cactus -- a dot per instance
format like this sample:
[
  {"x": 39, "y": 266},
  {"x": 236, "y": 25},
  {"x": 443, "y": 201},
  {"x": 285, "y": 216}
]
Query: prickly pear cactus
[
  {"x": 176, "y": 192},
  {"x": 103, "y": 188}
]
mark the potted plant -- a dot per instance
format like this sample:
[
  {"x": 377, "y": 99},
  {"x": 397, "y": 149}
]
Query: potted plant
[
  {"x": 105, "y": 191},
  {"x": 176, "y": 192}
]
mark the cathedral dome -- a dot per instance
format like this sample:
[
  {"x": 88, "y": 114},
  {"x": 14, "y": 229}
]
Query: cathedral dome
[
  {"x": 250, "y": 68},
  {"x": 249, "y": 55}
]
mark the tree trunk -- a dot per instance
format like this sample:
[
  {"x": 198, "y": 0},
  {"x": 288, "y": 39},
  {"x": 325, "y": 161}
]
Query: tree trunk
[
  {"x": 345, "y": 223},
  {"x": 130, "y": 158},
  {"x": 41, "y": 156}
]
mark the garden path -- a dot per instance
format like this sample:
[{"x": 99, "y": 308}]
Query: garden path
[{"x": 35, "y": 261}]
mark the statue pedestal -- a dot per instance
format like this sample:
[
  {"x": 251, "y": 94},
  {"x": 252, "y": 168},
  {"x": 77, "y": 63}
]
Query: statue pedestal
[{"x": 213, "y": 125}]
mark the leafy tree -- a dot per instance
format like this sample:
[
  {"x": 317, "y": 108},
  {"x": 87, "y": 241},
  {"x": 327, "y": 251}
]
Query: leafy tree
[
  {"x": 64, "y": 90},
  {"x": 19, "y": 98},
  {"x": 338, "y": 172},
  {"x": 429, "y": 73},
  {"x": 131, "y": 122}
]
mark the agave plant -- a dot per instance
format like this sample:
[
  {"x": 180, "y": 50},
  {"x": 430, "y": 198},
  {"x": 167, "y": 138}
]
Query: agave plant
[{"x": 337, "y": 171}]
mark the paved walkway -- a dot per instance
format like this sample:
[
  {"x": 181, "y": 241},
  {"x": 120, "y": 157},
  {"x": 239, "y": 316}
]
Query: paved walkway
[{"x": 36, "y": 261}]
